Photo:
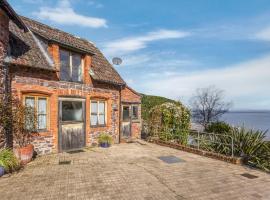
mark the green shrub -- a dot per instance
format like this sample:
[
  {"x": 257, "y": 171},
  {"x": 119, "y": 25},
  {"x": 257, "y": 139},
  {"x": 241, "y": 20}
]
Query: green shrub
[
  {"x": 105, "y": 138},
  {"x": 218, "y": 127},
  {"x": 170, "y": 121},
  {"x": 150, "y": 101},
  {"x": 249, "y": 144},
  {"x": 8, "y": 160}
]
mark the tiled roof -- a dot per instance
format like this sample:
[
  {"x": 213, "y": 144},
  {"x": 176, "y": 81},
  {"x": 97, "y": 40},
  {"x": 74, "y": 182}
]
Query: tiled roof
[
  {"x": 25, "y": 51},
  {"x": 12, "y": 14},
  {"x": 102, "y": 70}
]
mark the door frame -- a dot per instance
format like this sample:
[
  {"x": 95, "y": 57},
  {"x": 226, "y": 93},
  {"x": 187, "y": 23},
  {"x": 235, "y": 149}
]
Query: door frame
[
  {"x": 67, "y": 98},
  {"x": 122, "y": 121}
]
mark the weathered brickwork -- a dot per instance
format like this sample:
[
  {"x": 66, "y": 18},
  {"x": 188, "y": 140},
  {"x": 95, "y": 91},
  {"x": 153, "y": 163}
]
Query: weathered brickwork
[
  {"x": 4, "y": 37},
  {"x": 43, "y": 143},
  {"x": 30, "y": 76},
  {"x": 130, "y": 97},
  {"x": 27, "y": 80}
]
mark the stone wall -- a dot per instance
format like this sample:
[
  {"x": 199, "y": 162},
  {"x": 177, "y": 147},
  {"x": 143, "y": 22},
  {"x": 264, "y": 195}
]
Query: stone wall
[
  {"x": 4, "y": 38},
  {"x": 234, "y": 160}
]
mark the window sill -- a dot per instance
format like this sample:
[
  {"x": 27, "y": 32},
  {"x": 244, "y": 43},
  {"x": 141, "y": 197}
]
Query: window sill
[
  {"x": 99, "y": 126},
  {"x": 81, "y": 82}
]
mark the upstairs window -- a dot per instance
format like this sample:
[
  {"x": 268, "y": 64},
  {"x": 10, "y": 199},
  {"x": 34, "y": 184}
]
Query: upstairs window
[{"x": 70, "y": 66}]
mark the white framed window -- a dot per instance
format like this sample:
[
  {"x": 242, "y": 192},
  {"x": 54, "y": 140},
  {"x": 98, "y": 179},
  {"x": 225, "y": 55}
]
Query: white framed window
[
  {"x": 71, "y": 68},
  {"x": 98, "y": 113},
  {"x": 40, "y": 107}
]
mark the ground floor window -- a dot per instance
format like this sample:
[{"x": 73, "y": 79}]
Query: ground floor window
[
  {"x": 98, "y": 113},
  {"x": 135, "y": 112},
  {"x": 40, "y": 108}
]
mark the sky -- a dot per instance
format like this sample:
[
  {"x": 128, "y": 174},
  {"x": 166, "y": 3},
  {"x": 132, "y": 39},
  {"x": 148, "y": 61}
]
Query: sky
[{"x": 172, "y": 47}]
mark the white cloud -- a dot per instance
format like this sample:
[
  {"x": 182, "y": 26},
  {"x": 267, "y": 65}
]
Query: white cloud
[
  {"x": 264, "y": 34},
  {"x": 246, "y": 84},
  {"x": 130, "y": 44},
  {"x": 95, "y": 4},
  {"x": 63, "y": 13}
]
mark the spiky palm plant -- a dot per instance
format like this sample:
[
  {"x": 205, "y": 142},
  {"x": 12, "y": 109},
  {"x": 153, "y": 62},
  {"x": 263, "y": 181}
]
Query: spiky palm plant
[
  {"x": 249, "y": 144},
  {"x": 8, "y": 160}
]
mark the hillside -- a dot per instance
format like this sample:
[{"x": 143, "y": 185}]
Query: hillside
[{"x": 149, "y": 101}]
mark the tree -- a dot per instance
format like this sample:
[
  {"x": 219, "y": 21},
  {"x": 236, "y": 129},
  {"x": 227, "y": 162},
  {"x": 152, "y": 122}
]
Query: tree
[
  {"x": 22, "y": 119},
  {"x": 208, "y": 105}
]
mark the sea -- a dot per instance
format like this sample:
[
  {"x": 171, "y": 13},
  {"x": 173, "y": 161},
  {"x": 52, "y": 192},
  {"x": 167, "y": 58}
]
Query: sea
[{"x": 257, "y": 120}]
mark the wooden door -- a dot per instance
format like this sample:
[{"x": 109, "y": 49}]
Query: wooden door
[
  {"x": 71, "y": 124},
  {"x": 126, "y": 122}
]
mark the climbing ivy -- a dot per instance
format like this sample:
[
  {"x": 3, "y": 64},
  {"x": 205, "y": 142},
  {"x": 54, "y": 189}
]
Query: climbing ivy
[{"x": 170, "y": 121}]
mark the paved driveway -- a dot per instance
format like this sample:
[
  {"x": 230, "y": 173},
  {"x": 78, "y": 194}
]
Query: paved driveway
[{"x": 133, "y": 171}]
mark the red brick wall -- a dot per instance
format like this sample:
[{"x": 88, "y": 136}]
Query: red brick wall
[
  {"x": 42, "y": 82},
  {"x": 34, "y": 81},
  {"x": 130, "y": 97}
]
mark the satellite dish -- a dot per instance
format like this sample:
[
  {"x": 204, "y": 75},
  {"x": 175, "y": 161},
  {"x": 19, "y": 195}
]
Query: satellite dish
[{"x": 117, "y": 61}]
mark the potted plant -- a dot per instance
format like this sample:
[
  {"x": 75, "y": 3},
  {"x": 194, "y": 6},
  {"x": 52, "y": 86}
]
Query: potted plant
[
  {"x": 105, "y": 140},
  {"x": 24, "y": 129},
  {"x": 8, "y": 161}
]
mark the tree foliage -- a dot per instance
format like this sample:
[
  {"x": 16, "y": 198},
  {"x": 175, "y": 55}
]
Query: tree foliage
[
  {"x": 218, "y": 127},
  {"x": 208, "y": 105},
  {"x": 149, "y": 101},
  {"x": 170, "y": 121}
]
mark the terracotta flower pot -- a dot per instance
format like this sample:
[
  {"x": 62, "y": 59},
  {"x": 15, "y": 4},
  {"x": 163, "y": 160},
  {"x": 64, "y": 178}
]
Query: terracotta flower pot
[{"x": 25, "y": 154}]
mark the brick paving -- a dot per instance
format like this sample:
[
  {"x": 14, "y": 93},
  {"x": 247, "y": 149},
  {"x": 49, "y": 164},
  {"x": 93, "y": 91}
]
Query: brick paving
[{"x": 133, "y": 171}]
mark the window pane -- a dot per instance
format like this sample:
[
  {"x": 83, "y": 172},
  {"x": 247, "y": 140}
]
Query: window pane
[
  {"x": 101, "y": 107},
  {"x": 30, "y": 114},
  {"x": 94, "y": 107},
  {"x": 101, "y": 119},
  {"x": 42, "y": 106},
  {"x": 64, "y": 66},
  {"x": 76, "y": 68},
  {"x": 72, "y": 111},
  {"x": 125, "y": 113},
  {"x": 42, "y": 113},
  {"x": 30, "y": 102},
  {"x": 42, "y": 122},
  {"x": 94, "y": 120},
  {"x": 135, "y": 112}
]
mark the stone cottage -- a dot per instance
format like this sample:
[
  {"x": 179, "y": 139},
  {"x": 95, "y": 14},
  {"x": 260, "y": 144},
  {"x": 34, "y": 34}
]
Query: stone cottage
[{"x": 75, "y": 92}]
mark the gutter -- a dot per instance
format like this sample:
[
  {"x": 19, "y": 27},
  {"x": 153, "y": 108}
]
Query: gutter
[{"x": 120, "y": 112}]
